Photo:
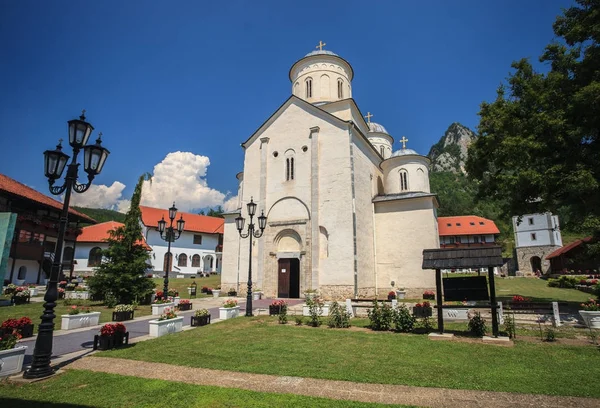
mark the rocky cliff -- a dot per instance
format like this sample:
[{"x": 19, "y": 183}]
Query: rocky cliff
[{"x": 450, "y": 153}]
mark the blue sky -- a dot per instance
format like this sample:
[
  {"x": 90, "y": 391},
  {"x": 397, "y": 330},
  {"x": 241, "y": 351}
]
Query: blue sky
[{"x": 200, "y": 77}]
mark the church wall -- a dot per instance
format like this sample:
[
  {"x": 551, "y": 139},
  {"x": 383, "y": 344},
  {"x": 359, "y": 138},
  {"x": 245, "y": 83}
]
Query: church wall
[
  {"x": 324, "y": 75},
  {"x": 231, "y": 243},
  {"x": 403, "y": 229},
  {"x": 418, "y": 174}
]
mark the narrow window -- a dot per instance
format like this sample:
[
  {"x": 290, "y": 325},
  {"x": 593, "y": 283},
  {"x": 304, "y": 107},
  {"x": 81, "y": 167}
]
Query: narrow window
[
  {"x": 340, "y": 89},
  {"x": 287, "y": 169},
  {"x": 289, "y": 164},
  {"x": 291, "y": 168},
  {"x": 533, "y": 236},
  {"x": 197, "y": 239},
  {"x": 403, "y": 180},
  {"x": 309, "y": 88},
  {"x": 530, "y": 221},
  {"x": 381, "y": 150}
]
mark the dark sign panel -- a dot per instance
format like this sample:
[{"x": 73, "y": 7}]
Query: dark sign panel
[{"x": 466, "y": 288}]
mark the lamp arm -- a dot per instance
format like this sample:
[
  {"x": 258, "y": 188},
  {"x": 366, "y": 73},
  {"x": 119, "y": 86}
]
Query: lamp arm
[
  {"x": 258, "y": 233},
  {"x": 82, "y": 188},
  {"x": 57, "y": 190},
  {"x": 244, "y": 236}
]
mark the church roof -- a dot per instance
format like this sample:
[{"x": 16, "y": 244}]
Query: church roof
[
  {"x": 321, "y": 52},
  {"x": 193, "y": 222},
  {"x": 325, "y": 53},
  {"x": 376, "y": 127},
  {"x": 404, "y": 152}
]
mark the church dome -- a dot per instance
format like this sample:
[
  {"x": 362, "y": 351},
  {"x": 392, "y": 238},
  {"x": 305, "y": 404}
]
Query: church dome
[
  {"x": 404, "y": 152},
  {"x": 376, "y": 127}
]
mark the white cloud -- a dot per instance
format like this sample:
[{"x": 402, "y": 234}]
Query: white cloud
[
  {"x": 231, "y": 204},
  {"x": 100, "y": 196},
  {"x": 180, "y": 178}
]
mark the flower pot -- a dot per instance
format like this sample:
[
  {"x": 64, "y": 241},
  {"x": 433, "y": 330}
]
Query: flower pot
[
  {"x": 26, "y": 331},
  {"x": 11, "y": 360},
  {"x": 33, "y": 291},
  {"x": 110, "y": 342},
  {"x": 391, "y": 297},
  {"x": 429, "y": 296},
  {"x": 306, "y": 311},
  {"x": 122, "y": 316},
  {"x": 200, "y": 321},
  {"x": 20, "y": 300},
  {"x": 216, "y": 293},
  {"x": 591, "y": 318},
  {"x": 274, "y": 310},
  {"x": 185, "y": 306},
  {"x": 159, "y": 328},
  {"x": 400, "y": 294},
  {"x": 228, "y": 312},
  {"x": 70, "y": 322},
  {"x": 159, "y": 308},
  {"x": 74, "y": 294},
  {"x": 176, "y": 300},
  {"x": 421, "y": 312},
  {"x": 256, "y": 295}
]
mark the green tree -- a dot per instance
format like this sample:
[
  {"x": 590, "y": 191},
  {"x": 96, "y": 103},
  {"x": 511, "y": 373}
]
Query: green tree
[
  {"x": 538, "y": 148},
  {"x": 121, "y": 275},
  {"x": 217, "y": 212}
]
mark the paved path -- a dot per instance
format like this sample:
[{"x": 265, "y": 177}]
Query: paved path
[
  {"x": 66, "y": 342},
  {"x": 340, "y": 390}
]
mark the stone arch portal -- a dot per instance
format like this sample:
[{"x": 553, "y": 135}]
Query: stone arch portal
[{"x": 289, "y": 246}]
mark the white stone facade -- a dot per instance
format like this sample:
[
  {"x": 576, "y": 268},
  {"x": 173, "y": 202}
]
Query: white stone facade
[{"x": 337, "y": 222}]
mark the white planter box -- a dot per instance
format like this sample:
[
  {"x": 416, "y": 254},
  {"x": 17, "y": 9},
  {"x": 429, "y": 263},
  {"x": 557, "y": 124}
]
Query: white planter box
[
  {"x": 325, "y": 312},
  {"x": 158, "y": 309},
  {"x": 33, "y": 291},
  {"x": 256, "y": 295},
  {"x": 73, "y": 294},
  {"x": 216, "y": 293},
  {"x": 70, "y": 322},
  {"x": 455, "y": 314},
  {"x": 591, "y": 319},
  {"x": 228, "y": 312},
  {"x": 161, "y": 327},
  {"x": 400, "y": 294},
  {"x": 176, "y": 300},
  {"x": 11, "y": 361}
]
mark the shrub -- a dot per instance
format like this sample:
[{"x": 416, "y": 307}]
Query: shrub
[
  {"x": 380, "y": 317},
  {"x": 299, "y": 320},
  {"x": 565, "y": 282},
  {"x": 510, "y": 325},
  {"x": 110, "y": 300},
  {"x": 315, "y": 309},
  {"x": 427, "y": 324},
  {"x": 403, "y": 321},
  {"x": 282, "y": 316},
  {"x": 9, "y": 340},
  {"x": 550, "y": 334},
  {"x": 339, "y": 317},
  {"x": 477, "y": 325},
  {"x": 201, "y": 313}
]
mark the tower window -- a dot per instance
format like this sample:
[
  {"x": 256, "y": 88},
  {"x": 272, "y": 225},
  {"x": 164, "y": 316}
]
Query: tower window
[
  {"x": 309, "y": 88},
  {"x": 403, "y": 180},
  {"x": 381, "y": 150},
  {"x": 340, "y": 89},
  {"x": 289, "y": 164}
]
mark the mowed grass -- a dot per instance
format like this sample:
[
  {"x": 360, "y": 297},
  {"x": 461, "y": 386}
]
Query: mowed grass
[
  {"x": 259, "y": 345},
  {"x": 88, "y": 389},
  {"x": 181, "y": 285},
  {"x": 34, "y": 311}
]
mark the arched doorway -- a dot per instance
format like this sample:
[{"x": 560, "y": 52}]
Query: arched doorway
[
  {"x": 208, "y": 263},
  {"x": 288, "y": 264},
  {"x": 536, "y": 264}
]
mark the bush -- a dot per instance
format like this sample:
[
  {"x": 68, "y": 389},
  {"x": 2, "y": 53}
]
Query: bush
[
  {"x": 477, "y": 325},
  {"x": 283, "y": 317},
  {"x": 403, "y": 321},
  {"x": 338, "y": 316},
  {"x": 550, "y": 334},
  {"x": 315, "y": 309},
  {"x": 565, "y": 282},
  {"x": 380, "y": 317},
  {"x": 299, "y": 321}
]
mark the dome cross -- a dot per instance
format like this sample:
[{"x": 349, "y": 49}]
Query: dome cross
[
  {"x": 321, "y": 45},
  {"x": 403, "y": 141},
  {"x": 368, "y": 116}
]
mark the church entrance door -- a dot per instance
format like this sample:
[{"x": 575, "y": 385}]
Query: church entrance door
[{"x": 288, "y": 278}]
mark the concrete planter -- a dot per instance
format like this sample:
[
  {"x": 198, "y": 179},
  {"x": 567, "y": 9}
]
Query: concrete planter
[
  {"x": 176, "y": 300},
  {"x": 591, "y": 318},
  {"x": 33, "y": 291},
  {"x": 216, "y": 293},
  {"x": 11, "y": 361},
  {"x": 305, "y": 310},
  {"x": 161, "y": 327},
  {"x": 400, "y": 294},
  {"x": 73, "y": 294},
  {"x": 159, "y": 309},
  {"x": 228, "y": 312},
  {"x": 455, "y": 314},
  {"x": 256, "y": 295},
  {"x": 70, "y": 322}
]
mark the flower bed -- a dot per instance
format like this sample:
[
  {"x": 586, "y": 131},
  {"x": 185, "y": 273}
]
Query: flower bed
[
  {"x": 23, "y": 326},
  {"x": 422, "y": 310},
  {"x": 184, "y": 304},
  {"x": 201, "y": 318},
  {"x": 429, "y": 295},
  {"x": 21, "y": 295},
  {"x": 275, "y": 307},
  {"x": 111, "y": 336}
]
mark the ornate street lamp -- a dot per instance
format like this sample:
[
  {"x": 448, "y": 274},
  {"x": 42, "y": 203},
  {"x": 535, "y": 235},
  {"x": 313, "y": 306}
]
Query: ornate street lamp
[
  {"x": 54, "y": 165},
  {"x": 262, "y": 223},
  {"x": 168, "y": 234}
]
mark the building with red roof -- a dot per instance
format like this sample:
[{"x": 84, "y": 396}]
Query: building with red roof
[
  {"x": 466, "y": 231},
  {"x": 198, "y": 250},
  {"x": 33, "y": 231}
]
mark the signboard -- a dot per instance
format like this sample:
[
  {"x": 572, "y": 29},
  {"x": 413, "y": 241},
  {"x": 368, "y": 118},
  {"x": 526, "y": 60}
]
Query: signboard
[
  {"x": 466, "y": 288},
  {"x": 7, "y": 230}
]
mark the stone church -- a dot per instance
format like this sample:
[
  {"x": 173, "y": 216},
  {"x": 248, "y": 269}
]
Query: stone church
[{"x": 347, "y": 215}]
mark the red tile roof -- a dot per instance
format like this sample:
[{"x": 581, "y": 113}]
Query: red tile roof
[
  {"x": 13, "y": 187},
  {"x": 466, "y": 225},
  {"x": 565, "y": 249},
  {"x": 193, "y": 222},
  {"x": 99, "y": 233}
]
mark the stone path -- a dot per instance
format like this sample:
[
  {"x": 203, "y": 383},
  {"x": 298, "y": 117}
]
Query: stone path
[
  {"x": 71, "y": 341},
  {"x": 340, "y": 390}
]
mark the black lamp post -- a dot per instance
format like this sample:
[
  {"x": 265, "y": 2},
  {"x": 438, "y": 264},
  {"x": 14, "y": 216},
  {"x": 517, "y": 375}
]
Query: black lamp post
[
  {"x": 262, "y": 223},
  {"x": 168, "y": 234},
  {"x": 94, "y": 157}
]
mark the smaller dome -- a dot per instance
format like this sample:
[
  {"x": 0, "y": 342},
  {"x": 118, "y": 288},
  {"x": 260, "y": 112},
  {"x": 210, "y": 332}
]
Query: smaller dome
[
  {"x": 376, "y": 127},
  {"x": 321, "y": 52},
  {"x": 404, "y": 152}
]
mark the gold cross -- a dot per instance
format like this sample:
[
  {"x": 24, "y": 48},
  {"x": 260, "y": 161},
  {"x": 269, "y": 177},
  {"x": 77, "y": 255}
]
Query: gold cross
[
  {"x": 369, "y": 116},
  {"x": 403, "y": 141},
  {"x": 321, "y": 45}
]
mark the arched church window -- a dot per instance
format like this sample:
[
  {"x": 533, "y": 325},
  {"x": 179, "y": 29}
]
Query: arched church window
[
  {"x": 309, "y": 87},
  {"x": 289, "y": 165},
  {"x": 95, "y": 257},
  {"x": 381, "y": 150},
  {"x": 196, "y": 261},
  {"x": 403, "y": 180},
  {"x": 182, "y": 261},
  {"x": 340, "y": 89}
]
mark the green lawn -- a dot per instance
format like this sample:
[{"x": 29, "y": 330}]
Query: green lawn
[
  {"x": 35, "y": 310},
  {"x": 259, "y": 345},
  {"x": 181, "y": 284},
  {"x": 89, "y": 389}
]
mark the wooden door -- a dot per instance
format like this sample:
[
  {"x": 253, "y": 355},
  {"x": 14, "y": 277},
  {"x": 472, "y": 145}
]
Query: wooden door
[{"x": 283, "y": 278}]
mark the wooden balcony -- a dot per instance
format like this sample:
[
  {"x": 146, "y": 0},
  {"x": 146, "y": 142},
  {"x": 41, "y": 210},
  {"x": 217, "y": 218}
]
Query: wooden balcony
[{"x": 34, "y": 252}]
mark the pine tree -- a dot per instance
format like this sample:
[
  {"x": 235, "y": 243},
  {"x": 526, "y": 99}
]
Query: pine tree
[{"x": 122, "y": 276}]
